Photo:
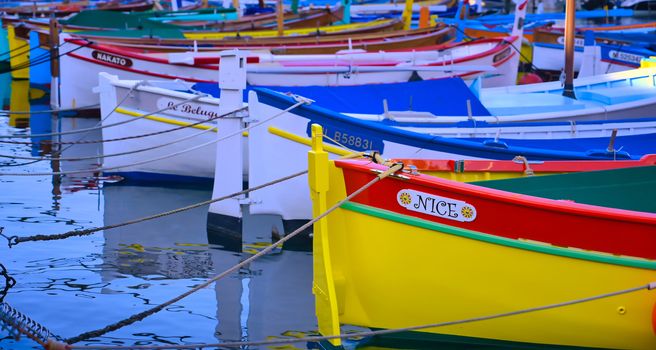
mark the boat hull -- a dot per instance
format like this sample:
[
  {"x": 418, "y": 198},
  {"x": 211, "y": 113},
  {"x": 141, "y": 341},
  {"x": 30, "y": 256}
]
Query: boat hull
[{"x": 437, "y": 273}]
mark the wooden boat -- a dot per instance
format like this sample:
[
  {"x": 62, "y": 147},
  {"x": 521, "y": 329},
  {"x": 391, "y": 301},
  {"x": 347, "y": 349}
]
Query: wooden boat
[
  {"x": 320, "y": 44},
  {"x": 616, "y": 52},
  {"x": 399, "y": 138},
  {"x": 425, "y": 233},
  {"x": 59, "y": 9},
  {"x": 134, "y": 64},
  {"x": 499, "y": 25},
  {"x": 202, "y": 19}
]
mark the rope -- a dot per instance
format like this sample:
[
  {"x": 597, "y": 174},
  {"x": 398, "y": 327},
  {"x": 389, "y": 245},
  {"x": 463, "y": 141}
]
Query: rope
[
  {"x": 238, "y": 132},
  {"x": 26, "y": 51},
  {"x": 14, "y": 240},
  {"x": 170, "y": 155},
  {"x": 99, "y": 127},
  {"x": 530, "y": 62},
  {"x": 128, "y": 94},
  {"x": 140, "y": 316},
  {"x": 649, "y": 287},
  {"x": 93, "y": 106},
  {"x": 102, "y": 156},
  {"x": 128, "y": 137},
  {"x": 46, "y": 57},
  {"x": 15, "y": 49}
]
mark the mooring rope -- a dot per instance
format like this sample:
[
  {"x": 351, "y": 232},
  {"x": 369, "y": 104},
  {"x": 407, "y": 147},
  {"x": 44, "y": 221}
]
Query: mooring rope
[
  {"x": 166, "y": 156},
  {"x": 121, "y": 138},
  {"x": 46, "y": 57},
  {"x": 14, "y": 240},
  {"x": 649, "y": 287},
  {"x": 238, "y": 132},
  {"x": 5, "y": 112},
  {"x": 102, "y": 156},
  {"x": 99, "y": 127},
  {"x": 142, "y": 315}
]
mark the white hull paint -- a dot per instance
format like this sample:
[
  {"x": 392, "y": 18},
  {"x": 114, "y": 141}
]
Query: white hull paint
[
  {"x": 350, "y": 68},
  {"x": 198, "y": 163}
]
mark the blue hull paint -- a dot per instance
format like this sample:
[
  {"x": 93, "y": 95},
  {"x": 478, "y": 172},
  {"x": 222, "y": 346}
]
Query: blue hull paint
[{"x": 376, "y": 133}]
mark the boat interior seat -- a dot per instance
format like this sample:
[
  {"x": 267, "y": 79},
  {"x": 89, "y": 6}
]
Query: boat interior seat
[{"x": 612, "y": 96}]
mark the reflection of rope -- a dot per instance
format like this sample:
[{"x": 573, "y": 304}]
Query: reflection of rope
[
  {"x": 140, "y": 316},
  {"x": 650, "y": 286}
]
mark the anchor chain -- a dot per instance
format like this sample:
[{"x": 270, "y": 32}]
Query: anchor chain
[{"x": 9, "y": 281}]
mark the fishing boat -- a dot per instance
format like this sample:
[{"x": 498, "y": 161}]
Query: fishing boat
[
  {"x": 65, "y": 8},
  {"x": 342, "y": 69},
  {"x": 414, "y": 226},
  {"x": 395, "y": 135},
  {"x": 616, "y": 51},
  {"x": 415, "y": 137}
]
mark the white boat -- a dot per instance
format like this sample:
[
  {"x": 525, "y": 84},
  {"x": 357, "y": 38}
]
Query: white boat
[
  {"x": 395, "y": 133},
  {"x": 494, "y": 59}
]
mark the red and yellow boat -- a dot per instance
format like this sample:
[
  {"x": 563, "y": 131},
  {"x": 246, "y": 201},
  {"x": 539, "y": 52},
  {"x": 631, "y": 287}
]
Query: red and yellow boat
[{"x": 416, "y": 250}]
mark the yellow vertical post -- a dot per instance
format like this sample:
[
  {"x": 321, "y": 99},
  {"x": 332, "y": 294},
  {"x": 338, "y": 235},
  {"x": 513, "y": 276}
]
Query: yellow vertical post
[
  {"x": 280, "y": 11},
  {"x": 19, "y": 102},
  {"x": 20, "y": 55},
  {"x": 424, "y": 17},
  {"x": 407, "y": 14},
  {"x": 323, "y": 285}
]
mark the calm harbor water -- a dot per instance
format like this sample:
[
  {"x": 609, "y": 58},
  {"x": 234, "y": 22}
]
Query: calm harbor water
[{"x": 85, "y": 283}]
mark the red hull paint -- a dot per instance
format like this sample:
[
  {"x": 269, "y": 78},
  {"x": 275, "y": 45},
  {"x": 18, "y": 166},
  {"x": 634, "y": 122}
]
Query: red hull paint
[{"x": 516, "y": 216}]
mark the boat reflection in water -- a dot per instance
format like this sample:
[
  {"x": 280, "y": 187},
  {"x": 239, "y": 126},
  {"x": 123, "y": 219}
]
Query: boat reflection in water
[{"x": 270, "y": 298}]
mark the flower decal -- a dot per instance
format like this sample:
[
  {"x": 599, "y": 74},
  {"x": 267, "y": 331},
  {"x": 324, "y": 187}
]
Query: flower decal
[
  {"x": 467, "y": 212},
  {"x": 405, "y": 198}
]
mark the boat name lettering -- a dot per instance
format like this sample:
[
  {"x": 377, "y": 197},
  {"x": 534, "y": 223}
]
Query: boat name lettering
[
  {"x": 191, "y": 109},
  {"x": 117, "y": 60},
  {"x": 501, "y": 55},
  {"x": 431, "y": 204},
  {"x": 625, "y": 56},
  {"x": 577, "y": 41}
]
